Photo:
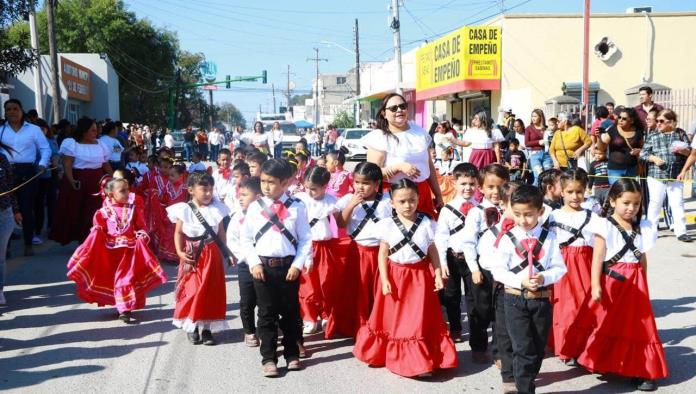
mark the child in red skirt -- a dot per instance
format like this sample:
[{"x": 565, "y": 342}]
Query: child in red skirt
[
  {"x": 174, "y": 193},
  {"x": 154, "y": 185},
  {"x": 341, "y": 182},
  {"x": 406, "y": 331},
  {"x": 114, "y": 266},
  {"x": 249, "y": 190},
  {"x": 200, "y": 291},
  {"x": 571, "y": 315},
  {"x": 359, "y": 212},
  {"x": 625, "y": 340}
]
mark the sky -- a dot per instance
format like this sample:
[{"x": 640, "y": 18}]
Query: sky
[{"x": 244, "y": 37}]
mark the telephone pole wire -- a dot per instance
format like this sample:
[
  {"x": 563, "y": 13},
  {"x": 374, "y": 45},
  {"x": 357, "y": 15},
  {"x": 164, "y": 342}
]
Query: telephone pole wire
[
  {"x": 316, "y": 59},
  {"x": 396, "y": 26}
]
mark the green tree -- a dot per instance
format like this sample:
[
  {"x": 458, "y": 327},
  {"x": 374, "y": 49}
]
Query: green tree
[
  {"x": 300, "y": 99},
  {"x": 344, "y": 120},
  {"x": 15, "y": 59},
  {"x": 228, "y": 113}
]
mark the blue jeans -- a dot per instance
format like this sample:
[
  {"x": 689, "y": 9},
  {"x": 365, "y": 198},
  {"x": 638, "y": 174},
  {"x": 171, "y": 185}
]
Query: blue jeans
[
  {"x": 278, "y": 150},
  {"x": 615, "y": 174},
  {"x": 312, "y": 149},
  {"x": 214, "y": 151},
  {"x": 188, "y": 151},
  {"x": 539, "y": 161},
  {"x": 7, "y": 225},
  {"x": 330, "y": 148}
]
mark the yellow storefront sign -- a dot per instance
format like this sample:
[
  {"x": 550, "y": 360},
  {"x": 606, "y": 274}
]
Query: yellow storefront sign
[{"x": 466, "y": 59}]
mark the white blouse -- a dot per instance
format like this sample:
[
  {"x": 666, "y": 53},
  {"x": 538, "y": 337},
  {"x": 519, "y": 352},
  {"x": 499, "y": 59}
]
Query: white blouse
[
  {"x": 643, "y": 241},
  {"x": 423, "y": 237},
  {"x": 322, "y": 210},
  {"x": 410, "y": 146},
  {"x": 262, "y": 139},
  {"x": 213, "y": 213},
  {"x": 369, "y": 236},
  {"x": 479, "y": 139},
  {"x": 234, "y": 243},
  {"x": 574, "y": 220},
  {"x": 446, "y": 167},
  {"x": 87, "y": 156}
]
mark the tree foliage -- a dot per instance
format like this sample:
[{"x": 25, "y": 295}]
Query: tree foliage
[
  {"x": 344, "y": 120},
  {"x": 15, "y": 59},
  {"x": 228, "y": 113},
  {"x": 300, "y": 99}
]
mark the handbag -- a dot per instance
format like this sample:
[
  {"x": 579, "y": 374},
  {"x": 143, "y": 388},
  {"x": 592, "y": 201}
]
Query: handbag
[
  {"x": 641, "y": 166},
  {"x": 572, "y": 162},
  {"x": 210, "y": 232}
]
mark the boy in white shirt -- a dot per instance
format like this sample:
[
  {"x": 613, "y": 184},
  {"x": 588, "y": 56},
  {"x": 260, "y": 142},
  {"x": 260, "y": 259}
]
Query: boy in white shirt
[
  {"x": 197, "y": 164},
  {"x": 527, "y": 261}
]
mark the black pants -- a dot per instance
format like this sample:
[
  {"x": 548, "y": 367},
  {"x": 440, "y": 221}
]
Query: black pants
[
  {"x": 247, "y": 298},
  {"x": 26, "y": 197},
  {"x": 46, "y": 197},
  {"x": 479, "y": 309},
  {"x": 528, "y": 323},
  {"x": 451, "y": 296},
  {"x": 279, "y": 305},
  {"x": 502, "y": 338}
]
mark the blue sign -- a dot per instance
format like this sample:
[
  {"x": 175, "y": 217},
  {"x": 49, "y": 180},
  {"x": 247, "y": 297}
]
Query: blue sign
[{"x": 209, "y": 71}]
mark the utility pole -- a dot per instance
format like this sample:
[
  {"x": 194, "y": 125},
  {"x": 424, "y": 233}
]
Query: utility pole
[
  {"x": 316, "y": 59},
  {"x": 55, "y": 87},
  {"x": 396, "y": 26},
  {"x": 274, "y": 102},
  {"x": 38, "y": 91},
  {"x": 210, "y": 97},
  {"x": 288, "y": 92},
  {"x": 357, "y": 73},
  {"x": 586, "y": 63}
]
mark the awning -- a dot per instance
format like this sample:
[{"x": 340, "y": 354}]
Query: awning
[{"x": 303, "y": 124}]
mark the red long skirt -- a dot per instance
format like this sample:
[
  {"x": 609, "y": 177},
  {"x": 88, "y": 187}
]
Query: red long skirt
[
  {"x": 425, "y": 200},
  {"x": 201, "y": 298},
  {"x": 406, "y": 331},
  {"x": 482, "y": 157},
  {"x": 625, "y": 341},
  {"x": 72, "y": 219},
  {"x": 362, "y": 270},
  {"x": 341, "y": 288},
  {"x": 120, "y": 276},
  {"x": 572, "y": 298},
  {"x": 164, "y": 233}
]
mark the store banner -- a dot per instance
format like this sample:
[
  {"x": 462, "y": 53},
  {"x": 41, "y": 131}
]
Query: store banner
[
  {"x": 466, "y": 59},
  {"x": 77, "y": 80}
]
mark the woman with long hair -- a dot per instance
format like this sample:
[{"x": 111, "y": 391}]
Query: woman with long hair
[
  {"x": 400, "y": 149},
  {"x": 483, "y": 141},
  {"x": 260, "y": 140},
  {"x": 85, "y": 161},
  {"x": 539, "y": 159},
  {"x": 624, "y": 141}
]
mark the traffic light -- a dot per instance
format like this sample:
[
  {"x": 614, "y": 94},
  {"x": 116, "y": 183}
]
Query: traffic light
[
  {"x": 228, "y": 84},
  {"x": 264, "y": 76}
]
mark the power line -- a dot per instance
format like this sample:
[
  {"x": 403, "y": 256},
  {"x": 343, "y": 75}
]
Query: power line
[{"x": 138, "y": 86}]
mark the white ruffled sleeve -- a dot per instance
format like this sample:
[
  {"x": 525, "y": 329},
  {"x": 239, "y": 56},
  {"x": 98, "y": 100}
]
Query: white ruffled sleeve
[
  {"x": 217, "y": 211},
  {"x": 383, "y": 228},
  {"x": 67, "y": 147},
  {"x": 177, "y": 212},
  {"x": 599, "y": 226},
  {"x": 376, "y": 140},
  {"x": 106, "y": 151}
]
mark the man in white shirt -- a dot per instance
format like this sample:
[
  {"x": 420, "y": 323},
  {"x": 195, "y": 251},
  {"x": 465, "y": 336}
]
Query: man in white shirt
[
  {"x": 216, "y": 140},
  {"x": 25, "y": 143},
  {"x": 168, "y": 140}
]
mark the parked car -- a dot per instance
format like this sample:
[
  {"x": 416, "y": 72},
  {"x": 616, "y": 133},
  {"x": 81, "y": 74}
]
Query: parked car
[
  {"x": 350, "y": 138},
  {"x": 178, "y": 136}
]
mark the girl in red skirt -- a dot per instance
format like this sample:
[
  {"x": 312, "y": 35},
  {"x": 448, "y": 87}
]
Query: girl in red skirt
[
  {"x": 114, "y": 266},
  {"x": 571, "y": 313},
  {"x": 406, "y": 331},
  {"x": 359, "y": 212},
  {"x": 200, "y": 295},
  {"x": 174, "y": 193},
  {"x": 483, "y": 140},
  {"x": 154, "y": 185},
  {"x": 625, "y": 340}
]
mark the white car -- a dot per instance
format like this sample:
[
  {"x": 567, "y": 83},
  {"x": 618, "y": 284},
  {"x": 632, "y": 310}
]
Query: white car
[{"x": 350, "y": 138}]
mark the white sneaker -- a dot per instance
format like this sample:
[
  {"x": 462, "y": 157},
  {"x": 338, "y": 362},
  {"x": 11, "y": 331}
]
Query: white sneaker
[
  {"x": 309, "y": 328},
  {"x": 324, "y": 323},
  {"x": 3, "y": 301},
  {"x": 36, "y": 240}
]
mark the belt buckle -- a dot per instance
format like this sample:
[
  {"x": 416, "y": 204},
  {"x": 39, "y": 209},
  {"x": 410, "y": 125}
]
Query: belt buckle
[{"x": 274, "y": 262}]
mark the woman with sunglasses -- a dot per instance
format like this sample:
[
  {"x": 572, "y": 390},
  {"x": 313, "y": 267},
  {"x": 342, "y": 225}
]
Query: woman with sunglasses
[
  {"x": 666, "y": 152},
  {"x": 400, "y": 148},
  {"x": 624, "y": 141}
]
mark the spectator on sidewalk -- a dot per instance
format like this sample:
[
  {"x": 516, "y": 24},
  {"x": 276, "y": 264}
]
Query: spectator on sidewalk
[
  {"x": 646, "y": 103},
  {"x": 216, "y": 140},
  {"x": 624, "y": 141},
  {"x": 189, "y": 140},
  {"x": 277, "y": 134},
  {"x": 202, "y": 142}
]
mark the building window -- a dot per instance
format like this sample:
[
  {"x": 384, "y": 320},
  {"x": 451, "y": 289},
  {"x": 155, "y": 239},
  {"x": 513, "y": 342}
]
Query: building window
[
  {"x": 574, "y": 89},
  {"x": 73, "y": 112},
  {"x": 340, "y": 80}
]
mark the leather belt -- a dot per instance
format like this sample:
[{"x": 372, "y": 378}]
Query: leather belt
[
  {"x": 274, "y": 262},
  {"x": 529, "y": 295},
  {"x": 456, "y": 255}
]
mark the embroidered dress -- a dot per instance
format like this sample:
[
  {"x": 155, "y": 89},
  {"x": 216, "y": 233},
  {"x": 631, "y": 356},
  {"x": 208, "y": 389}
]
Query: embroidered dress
[
  {"x": 174, "y": 193},
  {"x": 114, "y": 266}
]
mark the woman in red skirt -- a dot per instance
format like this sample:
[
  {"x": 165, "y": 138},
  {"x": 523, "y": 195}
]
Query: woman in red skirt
[
  {"x": 572, "y": 317},
  {"x": 625, "y": 340},
  {"x": 114, "y": 266},
  {"x": 406, "y": 331},
  {"x": 483, "y": 141},
  {"x": 85, "y": 160},
  {"x": 174, "y": 193},
  {"x": 359, "y": 213},
  {"x": 200, "y": 296},
  {"x": 400, "y": 149}
]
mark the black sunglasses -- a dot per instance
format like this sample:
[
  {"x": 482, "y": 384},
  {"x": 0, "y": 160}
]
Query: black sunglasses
[{"x": 402, "y": 106}]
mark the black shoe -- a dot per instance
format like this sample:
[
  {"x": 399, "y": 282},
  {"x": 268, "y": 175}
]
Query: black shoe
[
  {"x": 194, "y": 338},
  {"x": 647, "y": 385},
  {"x": 571, "y": 362},
  {"x": 207, "y": 338},
  {"x": 684, "y": 238},
  {"x": 125, "y": 317}
]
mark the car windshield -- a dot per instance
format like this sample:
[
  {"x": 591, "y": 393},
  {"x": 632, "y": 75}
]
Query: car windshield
[{"x": 355, "y": 134}]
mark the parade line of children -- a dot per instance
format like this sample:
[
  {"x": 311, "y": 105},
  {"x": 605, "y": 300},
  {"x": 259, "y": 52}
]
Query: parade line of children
[{"x": 318, "y": 248}]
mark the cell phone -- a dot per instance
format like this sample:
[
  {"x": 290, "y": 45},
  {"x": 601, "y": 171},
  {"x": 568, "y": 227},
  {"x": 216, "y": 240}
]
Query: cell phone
[{"x": 77, "y": 184}]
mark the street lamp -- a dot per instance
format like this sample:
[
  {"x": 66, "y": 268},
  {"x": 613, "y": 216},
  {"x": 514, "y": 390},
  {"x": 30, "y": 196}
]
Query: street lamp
[{"x": 331, "y": 43}]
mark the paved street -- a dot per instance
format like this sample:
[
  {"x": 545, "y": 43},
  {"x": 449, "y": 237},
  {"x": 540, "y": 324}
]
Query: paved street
[{"x": 52, "y": 342}]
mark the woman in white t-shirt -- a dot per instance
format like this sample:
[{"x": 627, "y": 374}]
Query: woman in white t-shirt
[
  {"x": 261, "y": 140},
  {"x": 483, "y": 141},
  {"x": 400, "y": 148},
  {"x": 85, "y": 161}
]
